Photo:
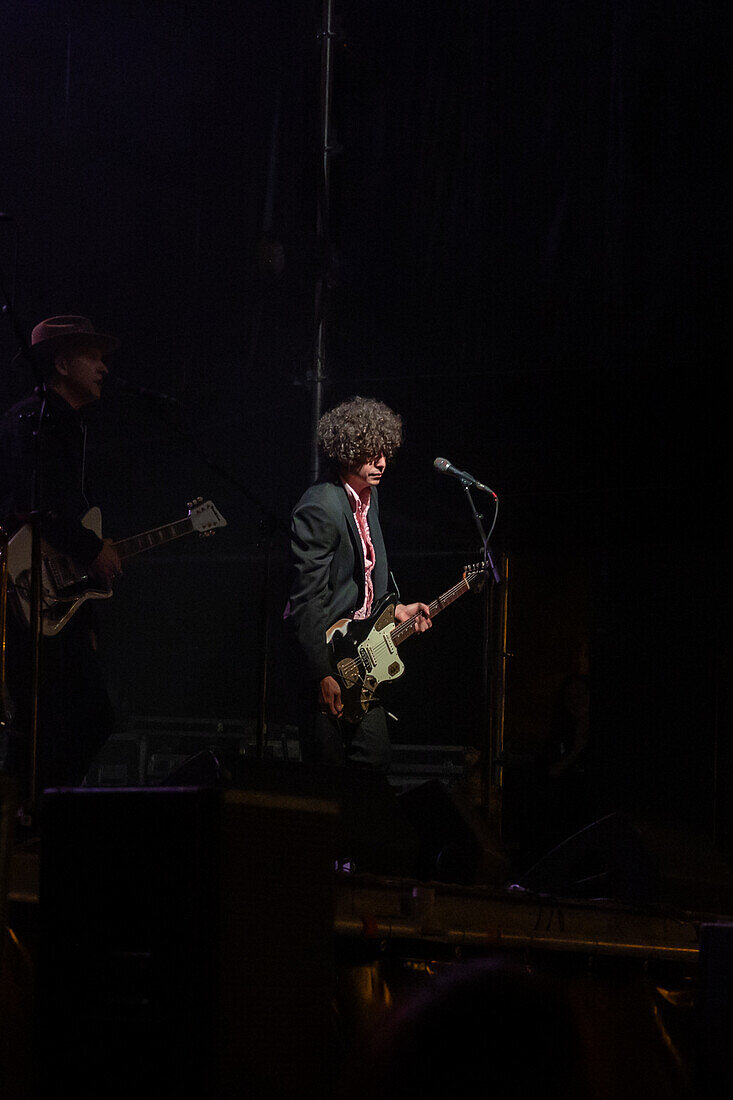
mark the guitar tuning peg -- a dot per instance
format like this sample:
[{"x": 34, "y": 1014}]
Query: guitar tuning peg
[
  {"x": 200, "y": 500},
  {"x": 189, "y": 504}
]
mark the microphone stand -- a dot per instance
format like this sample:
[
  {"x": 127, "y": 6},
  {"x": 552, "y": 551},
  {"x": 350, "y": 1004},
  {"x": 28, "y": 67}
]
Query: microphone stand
[
  {"x": 36, "y": 590},
  {"x": 489, "y": 568},
  {"x": 270, "y": 525}
]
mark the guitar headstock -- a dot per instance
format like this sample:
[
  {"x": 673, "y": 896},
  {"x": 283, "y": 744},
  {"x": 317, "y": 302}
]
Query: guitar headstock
[
  {"x": 205, "y": 516},
  {"x": 475, "y": 575}
]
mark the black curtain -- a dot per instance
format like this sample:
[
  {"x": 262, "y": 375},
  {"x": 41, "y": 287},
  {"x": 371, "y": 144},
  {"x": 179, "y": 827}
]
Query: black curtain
[{"x": 529, "y": 217}]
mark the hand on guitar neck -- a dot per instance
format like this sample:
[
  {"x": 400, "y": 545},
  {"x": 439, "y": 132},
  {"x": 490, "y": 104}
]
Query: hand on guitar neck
[
  {"x": 67, "y": 584},
  {"x": 419, "y": 611},
  {"x": 363, "y": 652},
  {"x": 107, "y": 565}
]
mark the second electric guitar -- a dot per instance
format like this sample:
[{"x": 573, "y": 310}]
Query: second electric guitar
[
  {"x": 364, "y": 651},
  {"x": 66, "y": 585}
]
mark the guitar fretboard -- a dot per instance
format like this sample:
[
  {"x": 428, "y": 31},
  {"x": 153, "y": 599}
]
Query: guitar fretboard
[
  {"x": 404, "y": 630},
  {"x": 145, "y": 541}
]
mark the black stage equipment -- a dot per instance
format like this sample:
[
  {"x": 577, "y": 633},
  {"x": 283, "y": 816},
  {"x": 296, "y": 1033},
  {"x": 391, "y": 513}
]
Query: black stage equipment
[{"x": 186, "y": 942}]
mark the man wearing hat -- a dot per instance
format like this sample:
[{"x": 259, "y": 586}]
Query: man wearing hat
[{"x": 68, "y": 357}]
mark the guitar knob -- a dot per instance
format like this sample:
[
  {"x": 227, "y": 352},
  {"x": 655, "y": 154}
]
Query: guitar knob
[
  {"x": 200, "y": 500},
  {"x": 189, "y": 504}
]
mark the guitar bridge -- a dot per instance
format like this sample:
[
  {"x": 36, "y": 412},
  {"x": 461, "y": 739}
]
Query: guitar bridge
[{"x": 349, "y": 672}]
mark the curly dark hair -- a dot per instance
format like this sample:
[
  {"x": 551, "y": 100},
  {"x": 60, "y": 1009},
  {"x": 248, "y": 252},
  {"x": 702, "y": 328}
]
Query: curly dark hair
[{"x": 359, "y": 430}]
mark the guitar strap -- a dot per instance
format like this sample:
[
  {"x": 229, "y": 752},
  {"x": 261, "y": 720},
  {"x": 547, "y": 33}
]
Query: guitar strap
[{"x": 83, "y": 486}]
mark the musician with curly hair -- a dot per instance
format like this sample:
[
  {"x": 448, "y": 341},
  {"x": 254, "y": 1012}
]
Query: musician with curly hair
[{"x": 341, "y": 571}]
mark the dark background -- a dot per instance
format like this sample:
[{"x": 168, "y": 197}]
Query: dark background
[{"x": 529, "y": 221}]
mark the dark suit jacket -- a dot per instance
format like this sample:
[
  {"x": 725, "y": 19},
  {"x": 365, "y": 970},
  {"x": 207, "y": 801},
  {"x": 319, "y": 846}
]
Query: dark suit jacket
[
  {"x": 328, "y": 563},
  {"x": 63, "y": 491}
]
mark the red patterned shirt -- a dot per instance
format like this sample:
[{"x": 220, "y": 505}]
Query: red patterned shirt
[{"x": 360, "y": 506}]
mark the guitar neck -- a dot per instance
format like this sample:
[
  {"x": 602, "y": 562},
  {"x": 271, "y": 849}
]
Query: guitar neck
[
  {"x": 406, "y": 629},
  {"x": 145, "y": 541}
]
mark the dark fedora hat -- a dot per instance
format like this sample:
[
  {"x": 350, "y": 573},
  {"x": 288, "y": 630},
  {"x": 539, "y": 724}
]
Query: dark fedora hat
[{"x": 57, "y": 333}]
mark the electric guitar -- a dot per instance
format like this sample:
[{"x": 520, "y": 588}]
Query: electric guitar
[
  {"x": 364, "y": 651},
  {"x": 66, "y": 585}
]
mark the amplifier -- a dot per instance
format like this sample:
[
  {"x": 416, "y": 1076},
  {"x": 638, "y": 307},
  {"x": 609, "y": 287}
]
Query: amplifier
[
  {"x": 186, "y": 943},
  {"x": 151, "y": 747},
  {"x": 415, "y": 764}
]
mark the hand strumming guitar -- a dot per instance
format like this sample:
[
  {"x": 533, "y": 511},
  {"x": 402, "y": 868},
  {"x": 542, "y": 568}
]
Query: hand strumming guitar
[
  {"x": 107, "y": 565},
  {"x": 329, "y": 689},
  {"x": 329, "y": 696}
]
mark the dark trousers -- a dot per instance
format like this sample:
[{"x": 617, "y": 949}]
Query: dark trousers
[
  {"x": 333, "y": 741},
  {"x": 75, "y": 713}
]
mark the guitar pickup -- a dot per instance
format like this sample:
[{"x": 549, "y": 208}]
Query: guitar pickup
[
  {"x": 62, "y": 577},
  {"x": 367, "y": 657}
]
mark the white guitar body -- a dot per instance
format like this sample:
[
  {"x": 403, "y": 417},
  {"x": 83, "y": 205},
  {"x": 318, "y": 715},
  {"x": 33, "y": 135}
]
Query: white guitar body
[{"x": 64, "y": 584}]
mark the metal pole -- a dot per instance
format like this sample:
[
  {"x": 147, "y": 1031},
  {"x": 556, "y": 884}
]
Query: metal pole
[
  {"x": 318, "y": 374},
  {"x": 498, "y": 702},
  {"x": 4, "y": 702}
]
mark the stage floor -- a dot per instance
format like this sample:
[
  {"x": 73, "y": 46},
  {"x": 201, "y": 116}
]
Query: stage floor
[
  {"x": 372, "y": 907},
  {"x": 632, "y": 971}
]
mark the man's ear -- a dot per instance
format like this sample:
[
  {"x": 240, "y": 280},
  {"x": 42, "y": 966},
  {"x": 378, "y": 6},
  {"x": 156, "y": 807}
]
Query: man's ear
[
  {"x": 51, "y": 369},
  {"x": 60, "y": 364}
]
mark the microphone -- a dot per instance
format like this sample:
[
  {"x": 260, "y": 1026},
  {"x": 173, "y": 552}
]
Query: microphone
[
  {"x": 447, "y": 467},
  {"x": 144, "y": 392}
]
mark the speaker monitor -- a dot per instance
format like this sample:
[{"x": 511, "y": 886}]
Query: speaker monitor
[
  {"x": 453, "y": 846},
  {"x": 715, "y": 1010},
  {"x": 374, "y": 836},
  {"x": 640, "y": 860},
  {"x": 606, "y": 859},
  {"x": 200, "y": 769},
  {"x": 187, "y": 940}
]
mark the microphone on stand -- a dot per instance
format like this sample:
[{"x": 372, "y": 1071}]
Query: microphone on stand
[
  {"x": 143, "y": 391},
  {"x": 447, "y": 467}
]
